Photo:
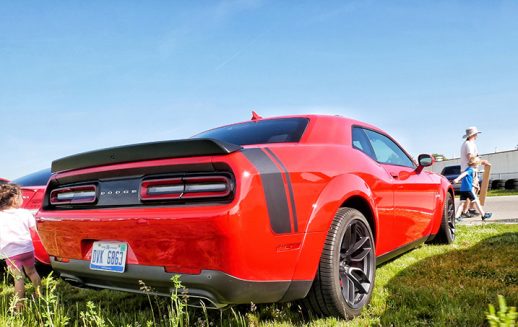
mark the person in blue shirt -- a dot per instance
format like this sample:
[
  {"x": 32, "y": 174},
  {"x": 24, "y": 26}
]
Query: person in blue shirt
[{"x": 467, "y": 193}]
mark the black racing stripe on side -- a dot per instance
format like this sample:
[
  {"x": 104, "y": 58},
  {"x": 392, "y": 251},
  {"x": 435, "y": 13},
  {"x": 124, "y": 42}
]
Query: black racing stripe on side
[
  {"x": 290, "y": 188},
  {"x": 274, "y": 192}
]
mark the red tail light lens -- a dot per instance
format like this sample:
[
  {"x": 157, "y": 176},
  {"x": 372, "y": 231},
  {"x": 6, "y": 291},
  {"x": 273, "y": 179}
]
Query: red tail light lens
[
  {"x": 186, "y": 188},
  {"x": 161, "y": 189},
  {"x": 74, "y": 195},
  {"x": 34, "y": 203},
  {"x": 206, "y": 187}
]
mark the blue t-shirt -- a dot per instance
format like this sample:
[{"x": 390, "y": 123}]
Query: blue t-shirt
[{"x": 467, "y": 181}]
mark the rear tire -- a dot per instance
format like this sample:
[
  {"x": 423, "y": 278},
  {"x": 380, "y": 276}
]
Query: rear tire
[
  {"x": 345, "y": 277},
  {"x": 498, "y": 184},
  {"x": 44, "y": 270},
  {"x": 446, "y": 233},
  {"x": 3, "y": 267},
  {"x": 511, "y": 184}
]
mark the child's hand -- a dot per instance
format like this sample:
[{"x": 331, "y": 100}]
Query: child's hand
[{"x": 455, "y": 181}]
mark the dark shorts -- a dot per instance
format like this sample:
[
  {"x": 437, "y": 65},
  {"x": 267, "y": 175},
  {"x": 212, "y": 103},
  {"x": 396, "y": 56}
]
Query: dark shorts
[
  {"x": 21, "y": 260},
  {"x": 467, "y": 195}
]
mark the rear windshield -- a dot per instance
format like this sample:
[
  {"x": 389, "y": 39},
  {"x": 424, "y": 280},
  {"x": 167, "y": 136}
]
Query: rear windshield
[
  {"x": 451, "y": 170},
  {"x": 39, "y": 178},
  {"x": 259, "y": 131}
]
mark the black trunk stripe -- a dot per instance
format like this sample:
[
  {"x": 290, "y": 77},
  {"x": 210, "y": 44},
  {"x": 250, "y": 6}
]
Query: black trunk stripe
[
  {"x": 274, "y": 191},
  {"x": 290, "y": 188}
]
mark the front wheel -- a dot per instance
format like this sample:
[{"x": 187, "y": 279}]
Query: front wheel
[
  {"x": 345, "y": 277},
  {"x": 446, "y": 233}
]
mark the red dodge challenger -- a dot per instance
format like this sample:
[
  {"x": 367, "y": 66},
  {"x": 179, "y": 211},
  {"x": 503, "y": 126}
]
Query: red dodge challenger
[{"x": 277, "y": 209}]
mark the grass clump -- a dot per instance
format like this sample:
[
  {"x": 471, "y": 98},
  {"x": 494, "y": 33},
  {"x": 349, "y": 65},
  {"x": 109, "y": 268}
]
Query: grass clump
[{"x": 505, "y": 317}]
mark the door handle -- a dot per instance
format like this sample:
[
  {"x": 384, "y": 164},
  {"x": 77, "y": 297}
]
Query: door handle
[{"x": 394, "y": 175}]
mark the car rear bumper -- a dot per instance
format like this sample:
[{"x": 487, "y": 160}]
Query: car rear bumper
[
  {"x": 214, "y": 288},
  {"x": 40, "y": 253}
]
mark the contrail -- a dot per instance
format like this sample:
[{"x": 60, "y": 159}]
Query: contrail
[{"x": 238, "y": 52}]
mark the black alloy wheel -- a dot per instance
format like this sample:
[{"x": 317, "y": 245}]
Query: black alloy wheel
[
  {"x": 356, "y": 256},
  {"x": 450, "y": 205},
  {"x": 446, "y": 233},
  {"x": 345, "y": 277}
]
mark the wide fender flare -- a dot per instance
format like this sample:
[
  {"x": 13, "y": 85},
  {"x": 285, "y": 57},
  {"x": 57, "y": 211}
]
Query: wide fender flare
[{"x": 337, "y": 192}]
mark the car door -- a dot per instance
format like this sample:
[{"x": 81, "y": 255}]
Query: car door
[
  {"x": 414, "y": 193},
  {"x": 381, "y": 186}
]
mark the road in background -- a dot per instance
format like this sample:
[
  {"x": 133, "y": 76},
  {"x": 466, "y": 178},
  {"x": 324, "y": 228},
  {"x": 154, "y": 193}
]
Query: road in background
[{"x": 504, "y": 209}]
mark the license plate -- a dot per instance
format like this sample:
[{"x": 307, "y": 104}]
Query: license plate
[{"x": 109, "y": 256}]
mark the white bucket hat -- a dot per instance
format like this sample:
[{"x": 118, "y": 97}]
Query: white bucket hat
[{"x": 470, "y": 131}]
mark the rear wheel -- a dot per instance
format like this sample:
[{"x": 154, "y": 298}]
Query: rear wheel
[
  {"x": 3, "y": 268},
  {"x": 498, "y": 184},
  {"x": 511, "y": 184},
  {"x": 446, "y": 234},
  {"x": 43, "y": 269},
  {"x": 345, "y": 277}
]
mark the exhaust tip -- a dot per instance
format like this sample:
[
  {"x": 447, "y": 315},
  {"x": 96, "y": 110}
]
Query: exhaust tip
[{"x": 73, "y": 280}]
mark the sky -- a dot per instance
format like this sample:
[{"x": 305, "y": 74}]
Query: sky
[{"x": 82, "y": 75}]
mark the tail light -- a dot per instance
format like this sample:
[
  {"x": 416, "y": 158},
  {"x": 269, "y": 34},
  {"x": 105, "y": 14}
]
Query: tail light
[
  {"x": 34, "y": 203},
  {"x": 162, "y": 189},
  {"x": 186, "y": 188},
  {"x": 74, "y": 195}
]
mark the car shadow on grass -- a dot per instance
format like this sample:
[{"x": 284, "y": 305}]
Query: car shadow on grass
[
  {"x": 450, "y": 289},
  {"x": 454, "y": 288}
]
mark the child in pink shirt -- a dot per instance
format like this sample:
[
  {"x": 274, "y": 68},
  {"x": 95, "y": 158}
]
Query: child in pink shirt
[{"x": 15, "y": 240}]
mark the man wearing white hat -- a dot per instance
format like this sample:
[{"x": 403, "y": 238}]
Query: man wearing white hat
[
  {"x": 469, "y": 150},
  {"x": 469, "y": 147}
]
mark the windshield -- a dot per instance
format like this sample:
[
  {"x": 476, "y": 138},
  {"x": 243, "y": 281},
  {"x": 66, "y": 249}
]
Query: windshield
[{"x": 259, "y": 132}]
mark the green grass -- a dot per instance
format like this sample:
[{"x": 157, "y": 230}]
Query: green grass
[
  {"x": 502, "y": 192},
  {"x": 429, "y": 286}
]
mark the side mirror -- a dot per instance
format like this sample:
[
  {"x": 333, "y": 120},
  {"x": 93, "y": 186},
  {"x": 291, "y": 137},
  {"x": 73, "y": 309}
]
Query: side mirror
[{"x": 424, "y": 160}]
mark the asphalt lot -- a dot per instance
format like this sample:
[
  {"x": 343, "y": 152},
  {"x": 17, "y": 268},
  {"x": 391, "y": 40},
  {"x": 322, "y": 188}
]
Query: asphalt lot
[{"x": 504, "y": 209}]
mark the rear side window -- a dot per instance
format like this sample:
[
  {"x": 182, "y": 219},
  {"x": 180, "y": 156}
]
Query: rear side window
[
  {"x": 260, "y": 131},
  {"x": 361, "y": 142},
  {"x": 39, "y": 178}
]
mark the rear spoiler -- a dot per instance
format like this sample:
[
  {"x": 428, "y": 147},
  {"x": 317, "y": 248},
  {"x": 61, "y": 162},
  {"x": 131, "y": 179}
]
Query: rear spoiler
[{"x": 144, "y": 151}]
